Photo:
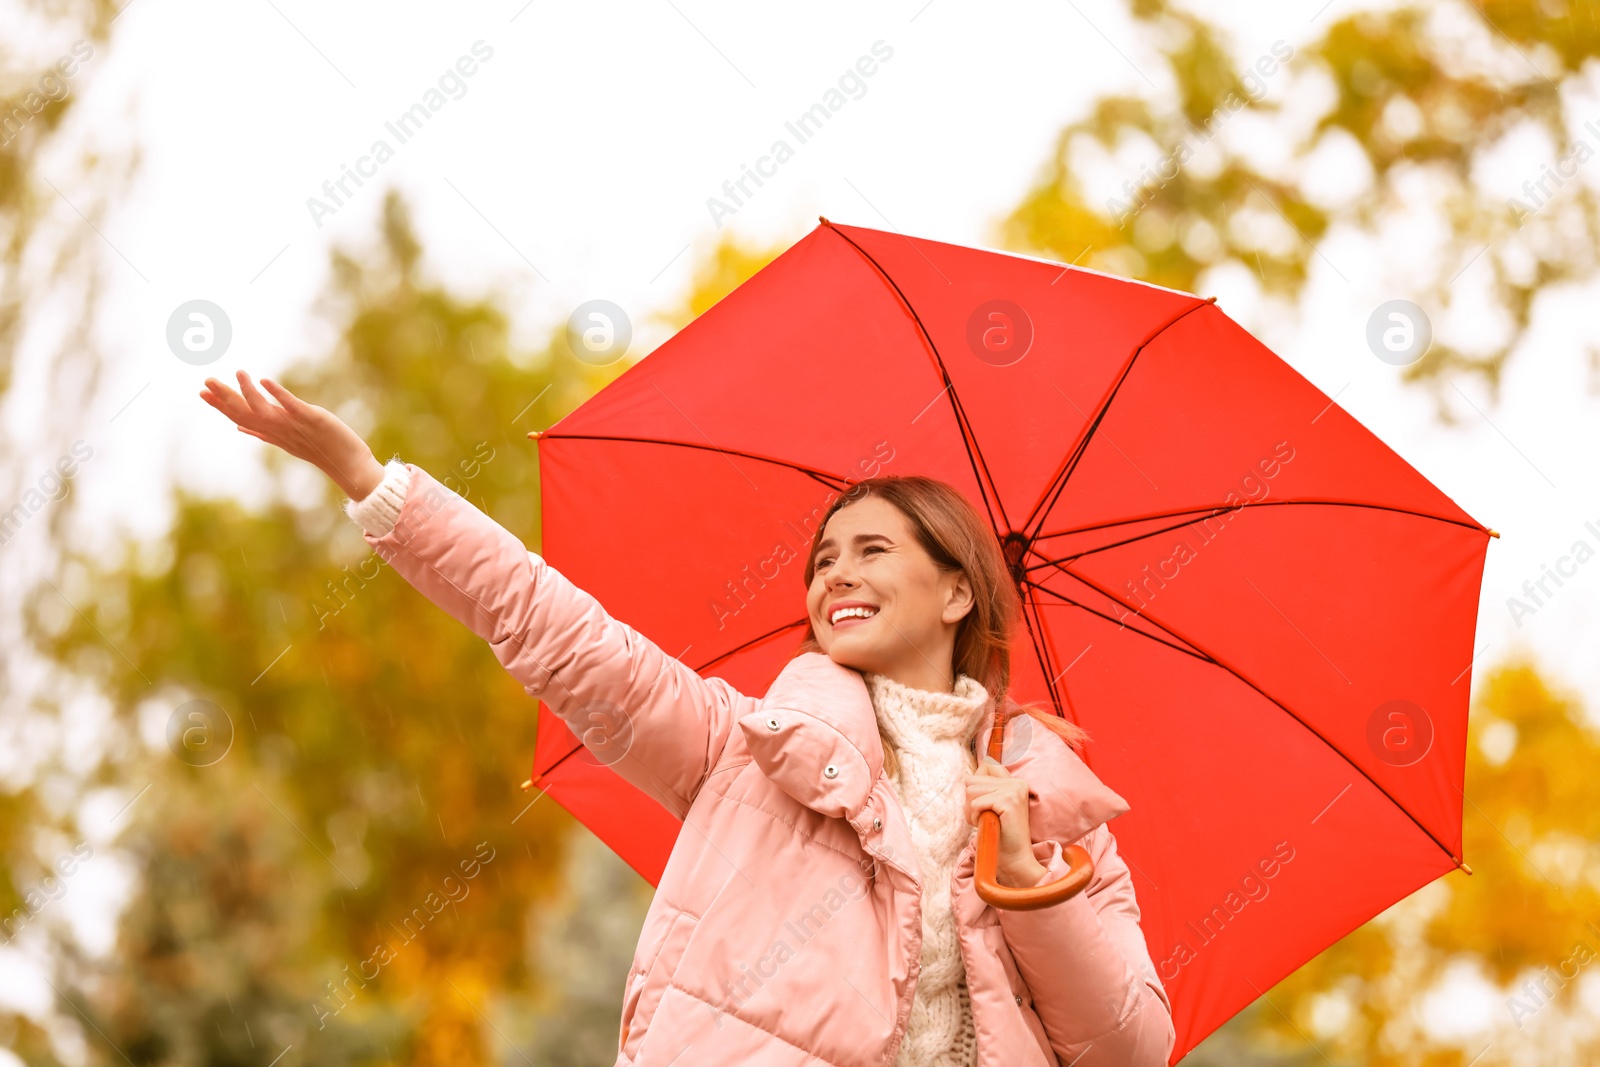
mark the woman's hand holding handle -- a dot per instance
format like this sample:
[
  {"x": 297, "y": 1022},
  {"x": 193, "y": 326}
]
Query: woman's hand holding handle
[
  {"x": 307, "y": 431},
  {"x": 991, "y": 792}
]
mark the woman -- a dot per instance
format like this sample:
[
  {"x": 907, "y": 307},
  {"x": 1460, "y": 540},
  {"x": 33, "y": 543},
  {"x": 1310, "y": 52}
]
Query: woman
[{"x": 818, "y": 906}]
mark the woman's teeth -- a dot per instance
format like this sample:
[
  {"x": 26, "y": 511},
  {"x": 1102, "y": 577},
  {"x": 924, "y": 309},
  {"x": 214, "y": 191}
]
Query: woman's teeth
[{"x": 853, "y": 613}]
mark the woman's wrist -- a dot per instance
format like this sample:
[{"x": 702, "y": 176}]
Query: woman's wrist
[
  {"x": 363, "y": 480},
  {"x": 379, "y": 511},
  {"x": 1021, "y": 874}
]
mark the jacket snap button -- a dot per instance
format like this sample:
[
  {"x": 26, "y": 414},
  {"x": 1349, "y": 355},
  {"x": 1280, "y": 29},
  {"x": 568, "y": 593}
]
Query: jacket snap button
[
  {"x": 772, "y": 724},
  {"x": 830, "y": 771},
  {"x": 877, "y": 824}
]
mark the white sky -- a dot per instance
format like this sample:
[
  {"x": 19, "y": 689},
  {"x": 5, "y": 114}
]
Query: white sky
[{"x": 584, "y": 151}]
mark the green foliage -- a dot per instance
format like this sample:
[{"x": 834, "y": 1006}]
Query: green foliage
[
  {"x": 1413, "y": 101},
  {"x": 377, "y": 743}
]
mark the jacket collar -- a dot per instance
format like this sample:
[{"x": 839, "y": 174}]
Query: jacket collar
[{"x": 826, "y": 719}]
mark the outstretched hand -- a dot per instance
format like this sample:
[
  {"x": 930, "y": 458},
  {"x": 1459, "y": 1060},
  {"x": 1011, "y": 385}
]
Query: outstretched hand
[{"x": 303, "y": 430}]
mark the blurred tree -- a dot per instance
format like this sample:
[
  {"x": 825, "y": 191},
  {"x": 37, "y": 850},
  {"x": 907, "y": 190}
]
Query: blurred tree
[
  {"x": 352, "y": 875},
  {"x": 1409, "y": 104},
  {"x": 51, "y": 264},
  {"x": 36, "y": 97},
  {"x": 336, "y": 749},
  {"x": 588, "y": 937}
]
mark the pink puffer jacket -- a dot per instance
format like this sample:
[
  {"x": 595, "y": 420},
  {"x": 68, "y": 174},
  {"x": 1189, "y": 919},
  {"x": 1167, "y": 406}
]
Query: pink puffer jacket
[{"x": 786, "y": 929}]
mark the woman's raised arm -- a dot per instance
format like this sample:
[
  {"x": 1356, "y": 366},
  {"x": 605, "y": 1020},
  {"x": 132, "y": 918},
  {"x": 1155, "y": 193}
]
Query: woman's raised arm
[{"x": 653, "y": 719}]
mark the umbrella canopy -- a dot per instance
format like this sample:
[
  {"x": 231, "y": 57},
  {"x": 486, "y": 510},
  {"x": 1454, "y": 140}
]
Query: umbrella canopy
[{"x": 1261, "y": 614}]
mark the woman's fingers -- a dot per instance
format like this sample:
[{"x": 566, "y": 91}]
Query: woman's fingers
[
  {"x": 253, "y": 396},
  {"x": 245, "y": 417},
  {"x": 291, "y": 403},
  {"x": 986, "y": 802},
  {"x": 218, "y": 395},
  {"x": 229, "y": 403},
  {"x": 978, "y": 794},
  {"x": 226, "y": 400},
  {"x": 990, "y": 765},
  {"x": 306, "y": 421},
  {"x": 287, "y": 428},
  {"x": 252, "y": 407},
  {"x": 985, "y": 788},
  {"x": 258, "y": 403}
]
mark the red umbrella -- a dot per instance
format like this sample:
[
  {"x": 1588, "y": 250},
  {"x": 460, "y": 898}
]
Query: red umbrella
[{"x": 1262, "y": 615}]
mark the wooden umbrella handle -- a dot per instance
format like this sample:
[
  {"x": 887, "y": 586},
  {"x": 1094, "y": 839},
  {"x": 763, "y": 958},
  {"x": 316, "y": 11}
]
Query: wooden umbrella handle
[{"x": 1021, "y": 898}]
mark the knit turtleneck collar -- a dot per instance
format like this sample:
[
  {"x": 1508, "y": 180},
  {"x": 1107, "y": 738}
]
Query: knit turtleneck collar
[
  {"x": 932, "y": 733},
  {"x": 909, "y": 714}
]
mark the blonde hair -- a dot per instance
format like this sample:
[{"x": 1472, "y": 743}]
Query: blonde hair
[{"x": 956, "y": 538}]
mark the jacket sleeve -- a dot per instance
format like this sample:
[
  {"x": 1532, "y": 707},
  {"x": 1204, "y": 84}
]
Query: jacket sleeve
[
  {"x": 651, "y": 718},
  {"x": 1094, "y": 985}
]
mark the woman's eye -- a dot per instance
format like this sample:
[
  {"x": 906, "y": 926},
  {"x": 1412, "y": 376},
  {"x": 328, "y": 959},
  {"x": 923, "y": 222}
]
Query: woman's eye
[{"x": 829, "y": 559}]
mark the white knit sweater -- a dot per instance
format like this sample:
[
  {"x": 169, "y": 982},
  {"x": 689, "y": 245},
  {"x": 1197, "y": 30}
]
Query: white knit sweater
[
  {"x": 377, "y": 512},
  {"x": 932, "y": 733}
]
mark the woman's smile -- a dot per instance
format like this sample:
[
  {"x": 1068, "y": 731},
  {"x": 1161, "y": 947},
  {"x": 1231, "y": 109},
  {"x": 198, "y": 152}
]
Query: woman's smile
[{"x": 847, "y": 613}]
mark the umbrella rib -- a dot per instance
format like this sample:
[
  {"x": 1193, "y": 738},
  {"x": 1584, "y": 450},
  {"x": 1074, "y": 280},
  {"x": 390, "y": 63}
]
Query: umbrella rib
[
  {"x": 753, "y": 641},
  {"x": 1211, "y": 657},
  {"x": 1058, "y": 481},
  {"x": 544, "y": 775},
  {"x": 831, "y": 481},
  {"x": 969, "y": 440},
  {"x": 1041, "y": 648},
  {"x": 1136, "y": 537},
  {"x": 1200, "y": 515},
  {"x": 1120, "y": 624}
]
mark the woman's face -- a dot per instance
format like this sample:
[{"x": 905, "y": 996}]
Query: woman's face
[{"x": 869, "y": 558}]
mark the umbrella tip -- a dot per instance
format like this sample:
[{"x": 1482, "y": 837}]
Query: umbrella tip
[
  {"x": 535, "y": 434},
  {"x": 525, "y": 786},
  {"x": 1494, "y": 533},
  {"x": 1464, "y": 867},
  {"x": 824, "y": 220}
]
